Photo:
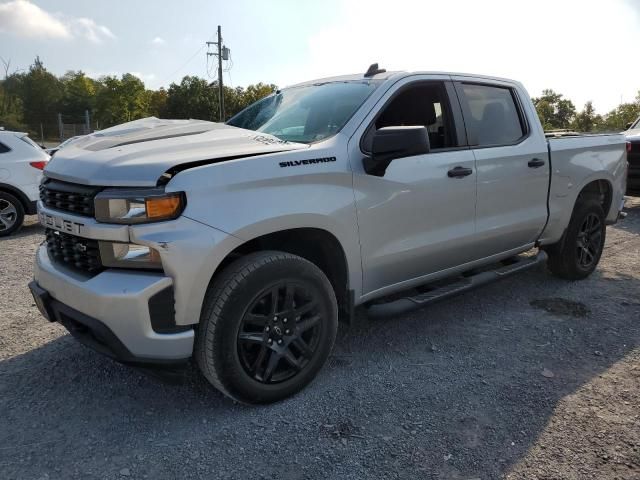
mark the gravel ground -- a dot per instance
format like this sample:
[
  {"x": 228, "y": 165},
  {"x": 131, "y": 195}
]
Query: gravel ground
[{"x": 529, "y": 378}]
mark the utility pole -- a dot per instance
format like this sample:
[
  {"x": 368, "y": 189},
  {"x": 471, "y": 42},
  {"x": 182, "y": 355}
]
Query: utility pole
[{"x": 222, "y": 54}]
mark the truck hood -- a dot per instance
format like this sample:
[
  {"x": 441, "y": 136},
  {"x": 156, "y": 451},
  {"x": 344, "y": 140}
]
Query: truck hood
[{"x": 139, "y": 153}]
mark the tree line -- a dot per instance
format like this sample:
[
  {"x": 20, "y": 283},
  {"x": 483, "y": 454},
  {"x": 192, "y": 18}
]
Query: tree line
[
  {"x": 31, "y": 101},
  {"x": 557, "y": 112}
]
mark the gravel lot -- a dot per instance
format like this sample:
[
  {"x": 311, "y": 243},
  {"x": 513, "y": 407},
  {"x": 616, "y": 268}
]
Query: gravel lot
[{"x": 529, "y": 378}]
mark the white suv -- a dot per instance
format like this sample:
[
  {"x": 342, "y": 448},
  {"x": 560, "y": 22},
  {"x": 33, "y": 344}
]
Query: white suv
[{"x": 21, "y": 164}]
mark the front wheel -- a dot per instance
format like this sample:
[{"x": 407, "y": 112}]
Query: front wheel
[
  {"x": 267, "y": 327},
  {"x": 576, "y": 256}
]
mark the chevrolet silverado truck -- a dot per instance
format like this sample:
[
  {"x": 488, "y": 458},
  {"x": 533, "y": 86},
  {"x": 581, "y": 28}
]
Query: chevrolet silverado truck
[{"x": 241, "y": 245}]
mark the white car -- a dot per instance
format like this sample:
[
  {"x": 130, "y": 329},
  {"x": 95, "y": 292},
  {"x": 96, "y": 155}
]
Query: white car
[{"x": 21, "y": 165}]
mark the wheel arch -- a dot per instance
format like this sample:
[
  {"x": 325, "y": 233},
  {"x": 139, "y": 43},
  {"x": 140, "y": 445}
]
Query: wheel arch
[
  {"x": 600, "y": 188},
  {"x": 562, "y": 202},
  {"x": 24, "y": 200},
  {"x": 317, "y": 245}
]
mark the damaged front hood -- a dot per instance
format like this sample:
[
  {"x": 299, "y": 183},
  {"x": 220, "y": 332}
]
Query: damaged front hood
[{"x": 138, "y": 153}]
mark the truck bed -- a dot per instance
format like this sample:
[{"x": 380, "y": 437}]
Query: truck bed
[{"x": 575, "y": 160}]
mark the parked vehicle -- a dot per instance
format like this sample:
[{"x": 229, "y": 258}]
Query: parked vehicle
[
  {"x": 241, "y": 245},
  {"x": 21, "y": 164},
  {"x": 633, "y": 156}
]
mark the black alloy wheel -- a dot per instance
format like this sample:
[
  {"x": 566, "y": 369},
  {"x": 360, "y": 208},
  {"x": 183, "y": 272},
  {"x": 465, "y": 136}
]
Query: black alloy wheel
[
  {"x": 279, "y": 333},
  {"x": 267, "y": 327},
  {"x": 589, "y": 241},
  {"x": 578, "y": 252}
]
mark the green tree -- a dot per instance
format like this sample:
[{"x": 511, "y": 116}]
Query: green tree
[
  {"x": 553, "y": 110},
  {"x": 79, "y": 94},
  {"x": 158, "y": 102},
  {"x": 11, "y": 99},
  {"x": 41, "y": 95},
  {"x": 192, "y": 98},
  {"x": 587, "y": 120},
  {"x": 618, "y": 119},
  {"x": 120, "y": 100}
]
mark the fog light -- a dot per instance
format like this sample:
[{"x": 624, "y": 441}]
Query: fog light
[{"x": 129, "y": 255}]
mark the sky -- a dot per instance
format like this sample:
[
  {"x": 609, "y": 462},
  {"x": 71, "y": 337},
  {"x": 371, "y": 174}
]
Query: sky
[{"x": 584, "y": 49}]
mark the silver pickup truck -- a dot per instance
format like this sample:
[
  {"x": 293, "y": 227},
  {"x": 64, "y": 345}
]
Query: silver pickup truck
[{"x": 240, "y": 245}]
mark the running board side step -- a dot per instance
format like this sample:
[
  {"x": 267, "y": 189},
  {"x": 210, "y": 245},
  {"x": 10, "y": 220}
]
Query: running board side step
[{"x": 407, "y": 304}]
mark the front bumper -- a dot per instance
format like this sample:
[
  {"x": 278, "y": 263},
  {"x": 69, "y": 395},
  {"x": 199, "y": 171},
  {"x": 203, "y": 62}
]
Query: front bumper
[{"x": 110, "y": 312}]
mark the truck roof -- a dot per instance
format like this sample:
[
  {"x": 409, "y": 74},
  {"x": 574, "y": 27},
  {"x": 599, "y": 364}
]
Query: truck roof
[{"x": 396, "y": 75}]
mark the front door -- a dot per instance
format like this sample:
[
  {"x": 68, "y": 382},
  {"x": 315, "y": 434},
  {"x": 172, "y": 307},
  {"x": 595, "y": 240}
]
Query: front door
[{"x": 417, "y": 218}]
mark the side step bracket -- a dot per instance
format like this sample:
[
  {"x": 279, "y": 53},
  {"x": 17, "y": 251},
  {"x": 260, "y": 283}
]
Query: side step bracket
[{"x": 407, "y": 304}]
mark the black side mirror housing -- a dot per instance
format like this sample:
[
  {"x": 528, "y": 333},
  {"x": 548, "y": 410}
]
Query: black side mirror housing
[{"x": 390, "y": 143}]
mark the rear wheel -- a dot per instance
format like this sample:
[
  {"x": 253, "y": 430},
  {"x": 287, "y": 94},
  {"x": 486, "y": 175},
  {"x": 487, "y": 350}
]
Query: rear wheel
[
  {"x": 11, "y": 214},
  {"x": 267, "y": 327},
  {"x": 576, "y": 256}
]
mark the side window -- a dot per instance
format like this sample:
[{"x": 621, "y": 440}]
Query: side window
[
  {"x": 4, "y": 148},
  {"x": 424, "y": 103},
  {"x": 492, "y": 116}
]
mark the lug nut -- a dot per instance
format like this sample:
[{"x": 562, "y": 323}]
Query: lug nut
[
  {"x": 270, "y": 341},
  {"x": 287, "y": 331},
  {"x": 280, "y": 342},
  {"x": 285, "y": 320},
  {"x": 275, "y": 319},
  {"x": 266, "y": 329}
]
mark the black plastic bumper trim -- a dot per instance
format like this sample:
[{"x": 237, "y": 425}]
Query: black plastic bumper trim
[
  {"x": 163, "y": 314},
  {"x": 94, "y": 334}
]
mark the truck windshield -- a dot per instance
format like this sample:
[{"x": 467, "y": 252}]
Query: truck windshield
[{"x": 306, "y": 114}]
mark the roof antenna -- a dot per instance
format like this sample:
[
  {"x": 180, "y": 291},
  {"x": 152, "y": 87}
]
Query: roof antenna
[{"x": 374, "y": 70}]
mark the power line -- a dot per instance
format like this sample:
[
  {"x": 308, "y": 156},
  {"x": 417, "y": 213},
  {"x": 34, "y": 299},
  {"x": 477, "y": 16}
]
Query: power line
[{"x": 184, "y": 64}]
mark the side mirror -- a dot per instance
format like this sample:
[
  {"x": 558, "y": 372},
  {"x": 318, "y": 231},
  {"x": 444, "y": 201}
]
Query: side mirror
[{"x": 390, "y": 143}]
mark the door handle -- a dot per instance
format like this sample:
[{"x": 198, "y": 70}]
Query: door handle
[
  {"x": 535, "y": 163},
  {"x": 459, "y": 172}
]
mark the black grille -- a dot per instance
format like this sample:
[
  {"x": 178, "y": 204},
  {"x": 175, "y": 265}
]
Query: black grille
[
  {"x": 69, "y": 197},
  {"x": 76, "y": 252}
]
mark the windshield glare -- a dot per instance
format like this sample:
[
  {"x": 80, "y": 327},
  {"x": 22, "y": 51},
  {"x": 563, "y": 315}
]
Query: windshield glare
[{"x": 305, "y": 114}]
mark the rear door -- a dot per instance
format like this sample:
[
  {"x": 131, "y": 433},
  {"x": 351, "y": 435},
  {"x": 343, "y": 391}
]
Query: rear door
[
  {"x": 416, "y": 219},
  {"x": 511, "y": 162}
]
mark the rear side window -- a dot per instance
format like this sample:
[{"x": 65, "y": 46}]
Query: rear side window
[{"x": 492, "y": 115}]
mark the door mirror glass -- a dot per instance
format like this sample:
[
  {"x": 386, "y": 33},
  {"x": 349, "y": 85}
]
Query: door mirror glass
[{"x": 390, "y": 143}]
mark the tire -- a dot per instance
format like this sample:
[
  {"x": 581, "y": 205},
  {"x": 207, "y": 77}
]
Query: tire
[
  {"x": 576, "y": 256},
  {"x": 11, "y": 214},
  {"x": 255, "y": 350}
]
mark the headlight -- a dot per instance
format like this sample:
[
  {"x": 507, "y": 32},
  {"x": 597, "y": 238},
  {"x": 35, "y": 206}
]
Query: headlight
[
  {"x": 129, "y": 255},
  {"x": 138, "y": 206}
]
